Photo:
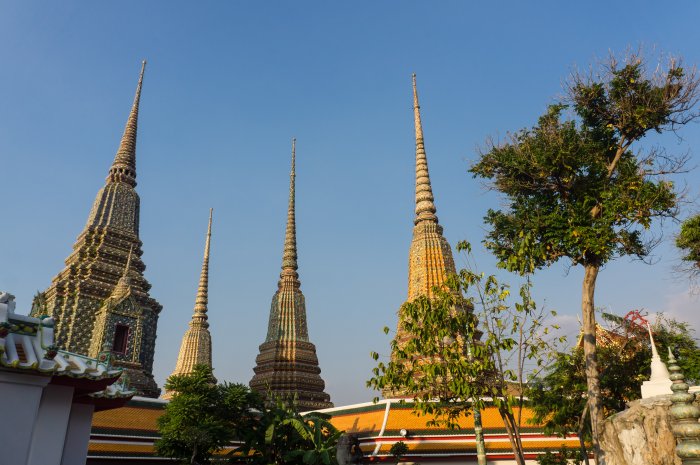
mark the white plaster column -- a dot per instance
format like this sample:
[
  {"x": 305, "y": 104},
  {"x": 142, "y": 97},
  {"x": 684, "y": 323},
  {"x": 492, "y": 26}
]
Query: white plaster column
[
  {"x": 19, "y": 404},
  {"x": 78, "y": 434},
  {"x": 51, "y": 425}
]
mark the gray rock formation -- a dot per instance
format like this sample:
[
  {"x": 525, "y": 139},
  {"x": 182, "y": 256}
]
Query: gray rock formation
[{"x": 641, "y": 435}]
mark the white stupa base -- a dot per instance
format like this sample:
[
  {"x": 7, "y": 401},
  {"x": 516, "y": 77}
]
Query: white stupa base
[{"x": 656, "y": 388}]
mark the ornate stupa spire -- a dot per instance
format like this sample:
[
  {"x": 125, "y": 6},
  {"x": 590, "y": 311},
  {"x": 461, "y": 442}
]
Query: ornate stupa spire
[
  {"x": 425, "y": 202},
  {"x": 287, "y": 366},
  {"x": 289, "y": 257},
  {"x": 200, "y": 304},
  {"x": 124, "y": 166},
  {"x": 430, "y": 258},
  {"x": 102, "y": 296},
  {"x": 123, "y": 286},
  {"x": 196, "y": 343}
]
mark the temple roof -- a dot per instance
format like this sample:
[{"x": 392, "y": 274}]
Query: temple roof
[
  {"x": 27, "y": 345},
  {"x": 128, "y": 433}
]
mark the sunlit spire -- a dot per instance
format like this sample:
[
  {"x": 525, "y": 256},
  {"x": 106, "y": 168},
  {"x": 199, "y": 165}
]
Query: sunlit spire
[
  {"x": 124, "y": 166},
  {"x": 425, "y": 202}
]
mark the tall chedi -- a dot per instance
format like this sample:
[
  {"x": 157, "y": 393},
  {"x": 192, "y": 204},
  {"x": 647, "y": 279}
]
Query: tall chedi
[
  {"x": 196, "y": 343},
  {"x": 430, "y": 258},
  {"x": 287, "y": 366},
  {"x": 101, "y": 297}
]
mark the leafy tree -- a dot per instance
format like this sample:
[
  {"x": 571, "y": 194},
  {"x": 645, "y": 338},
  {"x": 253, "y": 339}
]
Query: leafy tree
[
  {"x": 579, "y": 189},
  {"x": 446, "y": 368},
  {"x": 282, "y": 436},
  {"x": 563, "y": 456},
  {"x": 558, "y": 399},
  {"x": 202, "y": 417},
  {"x": 319, "y": 439},
  {"x": 398, "y": 450},
  {"x": 688, "y": 241},
  {"x": 270, "y": 437}
]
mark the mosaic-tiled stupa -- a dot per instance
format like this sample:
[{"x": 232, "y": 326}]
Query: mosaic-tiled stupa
[
  {"x": 195, "y": 348},
  {"x": 430, "y": 258},
  {"x": 287, "y": 365},
  {"x": 101, "y": 296}
]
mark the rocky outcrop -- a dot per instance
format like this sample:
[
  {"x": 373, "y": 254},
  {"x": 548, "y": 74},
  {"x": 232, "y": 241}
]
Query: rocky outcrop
[{"x": 641, "y": 435}]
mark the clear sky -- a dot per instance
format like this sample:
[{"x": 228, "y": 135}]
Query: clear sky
[{"x": 228, "y": 84}]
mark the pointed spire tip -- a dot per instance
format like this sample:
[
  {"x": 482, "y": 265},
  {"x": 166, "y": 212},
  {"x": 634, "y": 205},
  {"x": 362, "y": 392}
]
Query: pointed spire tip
[
  {"x": 294, "y": 155},
  {"x": 127, "y": 268},
  {"x": 124, "y": 165},
  {"x": 425, "y": 206},
  {"x": 289, "y": 257}
]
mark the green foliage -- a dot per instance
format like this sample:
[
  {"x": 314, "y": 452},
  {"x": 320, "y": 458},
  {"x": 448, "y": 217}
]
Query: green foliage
[
  {"x": 202, "y": 417},
  {"x": 441, "y": 331},
  {"x": 688, "y": 241},
  {"x": 563, "y": 456},
  {"x": 282, "y": 436},
  {"x": 319, "y": 440},
  {"x": 558, "y": 398},
  {"x": 679, "y": 336},
  {"x": 577, "y": 189},
  {"x": 398, "y": 450},
  {"x": 270, "y": 438},
  {"x": 449, "y": 363},
  {"x": 554, "y": 175}
]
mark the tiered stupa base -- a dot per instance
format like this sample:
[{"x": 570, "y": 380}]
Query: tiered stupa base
[
  {"x": 141, "y": 382},
  {"x": 289, "y": 371}
]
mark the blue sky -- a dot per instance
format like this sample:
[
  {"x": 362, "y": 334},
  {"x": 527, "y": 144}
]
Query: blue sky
[{"x": 228, "y": 84}]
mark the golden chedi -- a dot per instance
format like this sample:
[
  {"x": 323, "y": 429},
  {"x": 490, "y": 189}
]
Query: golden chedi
[{"x": 195, "y": 348}]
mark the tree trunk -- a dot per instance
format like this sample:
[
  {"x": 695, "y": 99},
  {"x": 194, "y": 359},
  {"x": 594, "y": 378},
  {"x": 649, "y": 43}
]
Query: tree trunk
[
  {"x": 589, "y": 351},
  {"x": 513, "y": 436},
  {"x": 194, "y": 455},
  {"x": 581, "y": 425},
  {"x": 479, "y": 436}
]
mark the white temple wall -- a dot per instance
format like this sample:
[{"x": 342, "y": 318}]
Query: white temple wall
[
  {"x": 472, "y": 462},
  {"x": 19, "y": 404},
  {"x": 78, "y": 434},
  {"x": 51, "y": 426}
]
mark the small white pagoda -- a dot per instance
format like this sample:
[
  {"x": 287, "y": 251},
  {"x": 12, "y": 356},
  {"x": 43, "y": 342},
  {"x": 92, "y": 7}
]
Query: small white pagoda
[{"x": 659, "y": 383}]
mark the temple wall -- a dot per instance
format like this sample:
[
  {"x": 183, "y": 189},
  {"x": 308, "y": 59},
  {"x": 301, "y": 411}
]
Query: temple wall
[
  {"x": 51, "y": 424},
  {"x": 78, "y": 434},
  {"x": 19, "y": 404}
]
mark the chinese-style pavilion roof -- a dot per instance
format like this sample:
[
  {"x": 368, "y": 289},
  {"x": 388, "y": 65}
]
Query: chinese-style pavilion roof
[{"x": 27, "y": 346}]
